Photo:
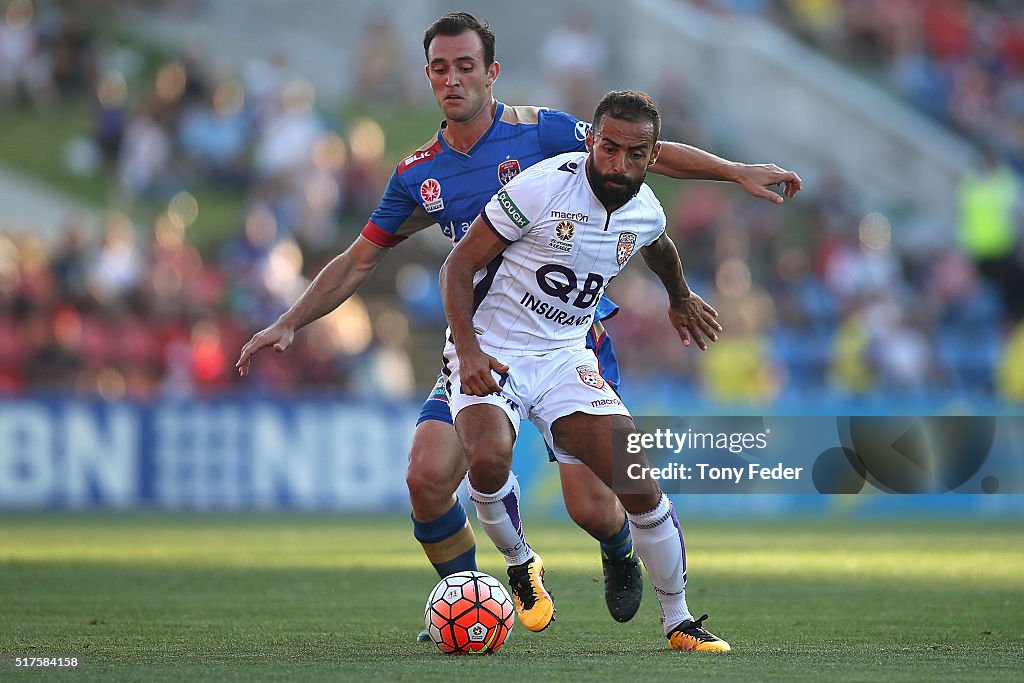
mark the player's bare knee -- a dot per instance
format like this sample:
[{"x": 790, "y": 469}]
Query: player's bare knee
[
  {"x": 425, "y": 485},
  {"x": 488, "y": 470},
  {"x": 489, "y": 460}
]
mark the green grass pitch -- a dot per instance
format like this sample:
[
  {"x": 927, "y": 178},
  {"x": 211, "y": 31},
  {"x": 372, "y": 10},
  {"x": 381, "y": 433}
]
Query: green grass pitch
[{"x": 154, "y": 597}]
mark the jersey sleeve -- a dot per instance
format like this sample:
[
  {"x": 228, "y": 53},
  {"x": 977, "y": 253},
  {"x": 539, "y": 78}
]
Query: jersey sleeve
[
  {"x": 512, "y": 211},
  {"x": 606, "y": 308},
  {"x": 397, "y": 216},
  {"x": 560, "y": 133},
  {"x": 657, "y": 226}
]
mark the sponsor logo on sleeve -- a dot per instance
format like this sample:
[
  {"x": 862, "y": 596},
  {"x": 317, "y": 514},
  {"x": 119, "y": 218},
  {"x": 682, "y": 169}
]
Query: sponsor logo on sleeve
[
  {"x": 418, "y": 156},
  {"x": 430, "y": 192},
  {"x": 627, "y": 242},
  {"x": 507, "y": 170},
  {"x": 590, "y": 376},
  {"x": 569, "y": 167},
  {"x": 581, "y": 130},
  {"x": 512, "y": 211}
]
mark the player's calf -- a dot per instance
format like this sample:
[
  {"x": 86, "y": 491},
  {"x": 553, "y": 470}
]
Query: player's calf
[{"x": 436, "y": 467}]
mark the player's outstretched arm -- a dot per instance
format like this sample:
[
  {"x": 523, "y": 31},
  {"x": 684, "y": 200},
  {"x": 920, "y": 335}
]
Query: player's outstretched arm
[
  {"x": 332, "y": 286},
  {"x": 690, "y": 314},
  {"x": 479, "y": 247},
  {"x": 692, "y": 163}
]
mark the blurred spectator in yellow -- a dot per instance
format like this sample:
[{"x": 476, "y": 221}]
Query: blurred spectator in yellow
[
  {"x": 850, "y": 370},
  {"x": 1010, "y": 371},
  {"x": 818, "y": 20},
  {"x": 739, "y": 370},
  {"x": 989, "y": 196}
]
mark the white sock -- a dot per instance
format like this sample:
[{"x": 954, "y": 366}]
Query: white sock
[
  {"x": 659, "y": 543},
  {"x": 498, "y": 513}
]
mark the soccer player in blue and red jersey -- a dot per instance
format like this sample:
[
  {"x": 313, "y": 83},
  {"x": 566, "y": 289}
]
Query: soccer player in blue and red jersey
[{"x": 481, "y": 145}]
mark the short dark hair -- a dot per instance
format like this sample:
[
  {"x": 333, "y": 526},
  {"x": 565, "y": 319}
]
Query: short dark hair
[
  {"x": 457, "y": 23},
  {"x": 628, "y": 105}
]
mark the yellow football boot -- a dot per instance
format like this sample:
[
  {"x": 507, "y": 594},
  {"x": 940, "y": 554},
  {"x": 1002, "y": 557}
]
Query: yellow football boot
[
  {"x": 691, "y": 635},
  {"x": 534, "y": 605}
]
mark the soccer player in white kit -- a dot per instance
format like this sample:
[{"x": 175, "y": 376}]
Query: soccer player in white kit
[{"x": 520, "y": 291}]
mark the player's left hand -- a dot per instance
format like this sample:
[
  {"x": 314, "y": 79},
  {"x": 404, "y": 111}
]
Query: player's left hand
[
  {"x": 697, "y": 319},
  {"x": 757, "y": 178}
]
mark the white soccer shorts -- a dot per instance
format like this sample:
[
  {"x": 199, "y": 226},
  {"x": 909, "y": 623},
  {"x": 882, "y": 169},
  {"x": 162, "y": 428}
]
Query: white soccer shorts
[{"x": 541, "y": 389}]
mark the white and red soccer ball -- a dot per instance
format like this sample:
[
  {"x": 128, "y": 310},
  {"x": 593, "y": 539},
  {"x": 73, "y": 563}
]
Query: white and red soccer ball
[{"x": 469, "y": 613}]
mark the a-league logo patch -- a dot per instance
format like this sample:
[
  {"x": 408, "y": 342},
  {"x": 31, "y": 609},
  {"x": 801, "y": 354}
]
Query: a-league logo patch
[
  {"x": 507, "y": 170},
  {"x": 590, "y": 376},
  {"x": 430, "y": 192},
  {"x": 562, "y": 241},
  {"x": 627, "y": 241}
]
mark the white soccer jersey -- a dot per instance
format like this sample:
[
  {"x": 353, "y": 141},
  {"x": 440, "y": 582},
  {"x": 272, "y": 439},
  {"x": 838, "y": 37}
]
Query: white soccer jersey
[{"x": 540, "y": 294}]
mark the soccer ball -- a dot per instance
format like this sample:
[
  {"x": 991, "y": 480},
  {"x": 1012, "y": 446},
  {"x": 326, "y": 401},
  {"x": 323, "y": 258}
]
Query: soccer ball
[{"x": 469, "y": 613}]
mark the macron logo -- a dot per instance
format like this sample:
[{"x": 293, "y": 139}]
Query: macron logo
[
  {"x": 569, "y": 216},
  {"x": 511, "y": 210}
]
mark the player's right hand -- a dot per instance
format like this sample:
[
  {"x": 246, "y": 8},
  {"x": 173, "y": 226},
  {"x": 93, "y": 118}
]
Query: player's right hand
[
  {"x": 277, "y": 335},
  {"x": 476, "y": 370},
  {"x": 697, "y": 319}
]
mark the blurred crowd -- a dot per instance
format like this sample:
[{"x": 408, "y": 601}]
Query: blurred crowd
[
  {"x": 143, "y": 317},
  {"x": 814, "y": 297},
  {"x": 959, "y": 61},
  {"x": 139, "y": 311},
  {"x": 46, "y": 54}
]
